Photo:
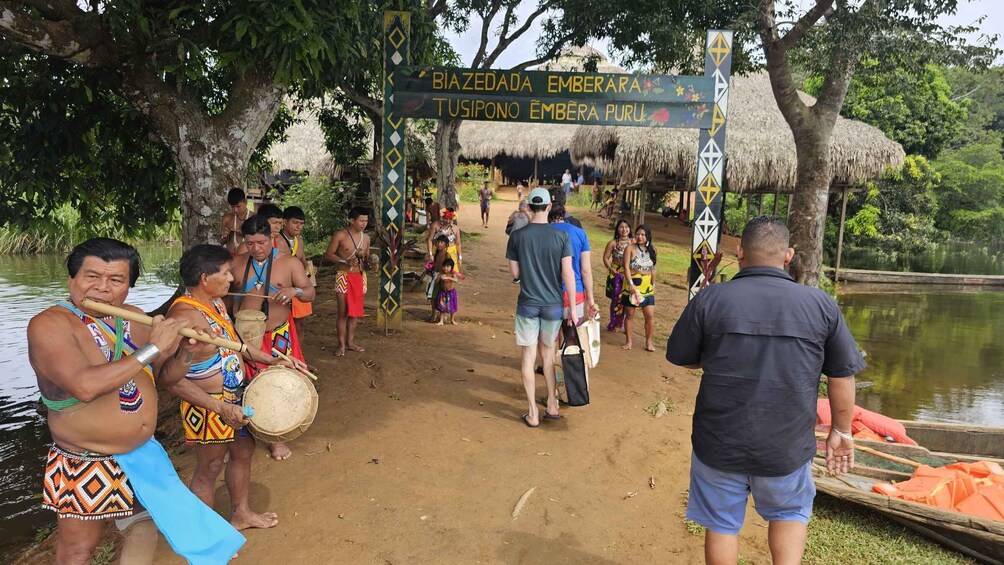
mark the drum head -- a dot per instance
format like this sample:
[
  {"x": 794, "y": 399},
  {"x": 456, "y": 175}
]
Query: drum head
[{"x": 284, "y": 403}]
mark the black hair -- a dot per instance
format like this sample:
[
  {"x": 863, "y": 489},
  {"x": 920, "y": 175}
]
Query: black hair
[
  {"x": 107, "y": 250},
  {"x": 256, "y": 225},
  {"x": 765, "y": 236},
  {"x": 538, "y": 207},
  {"x": 428, "y": 200},
  {"x": 235, "y": 196},
  {"x": 269, "y": 210},
  {"x": 293, "y": 213},
  {"x": 449, "y": 262},
  {"x": 648, "y": 240},
  {"x": 442, "y": 238},
  {"x": 203, "y": 259},
  {"x": 557, "y": 212},
  {"x": 357, "y": 211},
  {"x": 617, "y": 227}
]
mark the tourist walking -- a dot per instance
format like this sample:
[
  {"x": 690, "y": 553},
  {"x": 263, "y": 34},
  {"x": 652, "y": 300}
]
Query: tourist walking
[
  {"x": 540, "y": 261},
  {"x": 639, "y": 292},
  {"x": 762, "y": 341},
  {"x": 519, "y": 218},
  {"x": 584, "y": 302},
  {"x": 613, "y": 260}
]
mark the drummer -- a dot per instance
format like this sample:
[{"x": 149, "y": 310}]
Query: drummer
[
  {"x": 211, "y": 410},
  {"x": 263, "y": 270}
]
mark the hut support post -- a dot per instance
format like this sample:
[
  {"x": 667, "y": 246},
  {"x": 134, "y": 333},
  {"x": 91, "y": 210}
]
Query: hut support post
[
  {"x": 535, "y": 181},
  {"x": 396, "y": 51},
  {"x": 491, "y": 174},
  {"x": 787, "y": 213},
  {"x": 777, "y": 196},
  {"x": 642, "y": 202},
  {"x": 840, "y": 234}
]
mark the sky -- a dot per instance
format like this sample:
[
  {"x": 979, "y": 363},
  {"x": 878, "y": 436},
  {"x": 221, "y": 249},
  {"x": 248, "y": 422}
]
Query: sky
[{"x": 524, "y": 48}]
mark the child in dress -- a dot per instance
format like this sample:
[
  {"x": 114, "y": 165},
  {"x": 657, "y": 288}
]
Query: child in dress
[
  {"x": 446, "y": 300},
  {"x": 434, "y": 267}
]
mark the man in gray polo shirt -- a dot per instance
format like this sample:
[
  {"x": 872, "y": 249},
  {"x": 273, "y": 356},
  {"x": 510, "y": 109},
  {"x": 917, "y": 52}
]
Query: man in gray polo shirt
[
  {"x": 540, "y": 261},
  {"x": 763, "y": 340}
]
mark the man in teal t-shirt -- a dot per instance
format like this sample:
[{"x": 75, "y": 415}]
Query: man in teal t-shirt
[{"x": 540, "y": 261}]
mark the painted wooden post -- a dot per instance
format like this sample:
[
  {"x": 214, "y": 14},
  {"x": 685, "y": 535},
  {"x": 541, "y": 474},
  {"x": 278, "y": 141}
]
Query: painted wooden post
[
  {"x": 396, "y": 39},
  {"x": 711, "y": 160}
]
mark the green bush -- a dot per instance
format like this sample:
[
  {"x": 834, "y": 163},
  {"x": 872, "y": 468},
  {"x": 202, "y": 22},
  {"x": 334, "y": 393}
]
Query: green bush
[{"x": 325, "y": 205}]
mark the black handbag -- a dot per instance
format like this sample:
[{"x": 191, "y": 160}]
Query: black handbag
[{"x": 573, "y": 367}]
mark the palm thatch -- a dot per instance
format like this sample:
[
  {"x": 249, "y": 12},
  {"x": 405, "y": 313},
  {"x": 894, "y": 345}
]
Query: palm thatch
[
  {"x": 303, "y": 149},
  {"x": 484, "y": 140},
  {"x": 760, "y": 147}
]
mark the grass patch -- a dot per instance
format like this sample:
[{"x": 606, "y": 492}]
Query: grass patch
[
  {"x": 693, "y": 528},
  {"x": 669, "y": 405},
  {"x": 471, "y": 235},
  {"x": 841, "y": 532},
  {"x": 44, "y": 532},
  {"x": 104, "y": 554}
]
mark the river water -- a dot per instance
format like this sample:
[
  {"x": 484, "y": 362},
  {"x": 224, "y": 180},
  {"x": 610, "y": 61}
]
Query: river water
[
  {"x": 29, "y": 285},
  {"x": 933, "y": 356}
]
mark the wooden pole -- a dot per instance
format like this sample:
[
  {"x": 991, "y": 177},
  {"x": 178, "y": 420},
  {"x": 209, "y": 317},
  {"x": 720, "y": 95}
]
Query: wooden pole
[
  {"x": 535, "y": 181},
  {"x": 643, "y": 197},
  {"x": 777, "y": 196},
  {"x": 787, "y": 214},
  {"x": 840, "y": 235}
]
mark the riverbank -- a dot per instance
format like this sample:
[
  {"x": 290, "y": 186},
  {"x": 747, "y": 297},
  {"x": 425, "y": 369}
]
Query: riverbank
[{"x": 418, "y": 455}]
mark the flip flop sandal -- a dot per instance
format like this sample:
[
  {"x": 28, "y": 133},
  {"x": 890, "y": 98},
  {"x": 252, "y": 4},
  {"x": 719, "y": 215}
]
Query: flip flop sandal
[{"x": 526, "y": 420}]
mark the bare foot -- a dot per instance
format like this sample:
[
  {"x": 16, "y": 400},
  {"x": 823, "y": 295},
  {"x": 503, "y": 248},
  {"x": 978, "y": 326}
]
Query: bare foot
[
  {"x": 248, "y": 519},
  {"x": 649, "y": 347},
  {"x": 352, "y": 347},
  {"x": 439, "y": 323},
  {"x": 627, "y": 346},
  {"x": 279, "y": 452},
  {"x": 340, "y": 352},
  {"x": 452, "y": 321}
]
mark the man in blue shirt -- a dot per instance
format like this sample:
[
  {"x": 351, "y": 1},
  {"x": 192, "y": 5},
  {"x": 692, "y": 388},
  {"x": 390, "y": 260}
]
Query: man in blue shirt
[
  {"x": 763, "y": 340},
  {"x": 540, "y": 261},
  {"x": 581, "y": 264}
]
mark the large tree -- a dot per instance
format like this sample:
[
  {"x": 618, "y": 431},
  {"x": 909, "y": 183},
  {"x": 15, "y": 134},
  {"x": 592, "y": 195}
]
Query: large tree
[
  {"x": 836, "y": 35},
  {"x": 207, "y": 78}
]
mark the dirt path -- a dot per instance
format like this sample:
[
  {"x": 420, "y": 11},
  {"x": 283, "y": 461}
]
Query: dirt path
[{"x": 418, "y": 454}]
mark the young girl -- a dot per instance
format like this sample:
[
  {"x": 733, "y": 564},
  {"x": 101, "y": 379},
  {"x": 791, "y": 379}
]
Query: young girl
[
  {"x": 446, "y": 300},
  {"x": 639, "y": 274},
  {"x": 434, "y": 267}
]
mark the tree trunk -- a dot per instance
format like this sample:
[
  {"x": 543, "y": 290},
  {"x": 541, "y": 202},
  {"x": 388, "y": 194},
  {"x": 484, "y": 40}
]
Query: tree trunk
[
  {"x": 211, "y": 153},
  {"x": 447, "y": 156},
  {"x": 808, "y": 211}
]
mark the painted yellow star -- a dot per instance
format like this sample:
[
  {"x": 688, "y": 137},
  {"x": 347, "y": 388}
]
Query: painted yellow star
[{"x": 679, "y": 91}]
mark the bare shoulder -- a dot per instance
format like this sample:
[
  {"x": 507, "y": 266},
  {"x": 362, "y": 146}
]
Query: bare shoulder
[{"x": 50, "y": 324}]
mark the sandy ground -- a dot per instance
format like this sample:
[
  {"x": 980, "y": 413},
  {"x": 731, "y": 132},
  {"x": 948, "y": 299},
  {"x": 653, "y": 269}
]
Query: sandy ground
[{"x": 418, "y": 454}]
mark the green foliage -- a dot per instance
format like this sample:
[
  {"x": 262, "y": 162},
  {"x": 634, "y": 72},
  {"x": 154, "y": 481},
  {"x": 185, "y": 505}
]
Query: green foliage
[
  {"x": 325, "y": 204},
  {"x": 914, "y": 108},
  {"x": 971, "y": 197},
  {"x": 984, "y": 92},
  {"x": 345, "y": 135},
  {"x": 472, "y": 172}
]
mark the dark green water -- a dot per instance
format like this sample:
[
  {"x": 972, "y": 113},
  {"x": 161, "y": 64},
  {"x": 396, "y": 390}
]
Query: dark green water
[
  {"x": 933, "y": 356},
  {"x": 29, "y": 285},
  {"x": 951, "y": 257}
]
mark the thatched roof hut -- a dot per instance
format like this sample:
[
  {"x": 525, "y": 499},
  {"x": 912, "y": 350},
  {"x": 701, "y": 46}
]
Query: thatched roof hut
[
  {"x": 484, "y": 140},
  {"x": 760, "y": 147}
]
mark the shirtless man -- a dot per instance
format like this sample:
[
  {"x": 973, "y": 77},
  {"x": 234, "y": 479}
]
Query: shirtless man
[
  {"x": 230, "y": 225},
  {"x": 100, "y": 392},
  {"x": 290, "y": 241},
  {"x": 349, "y": 249},
  {"x": 274, "y": 215},
  {"x": 263, "y": 270},
  {"x": 485, "y": 196},
  {"x": 211, "y": 410}
]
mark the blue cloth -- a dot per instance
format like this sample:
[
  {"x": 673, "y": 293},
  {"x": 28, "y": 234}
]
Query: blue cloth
[
  {"x": 580, "y": 243},
  {"x": 194, "y": 530},
  {"x": 718, "y": 498}
]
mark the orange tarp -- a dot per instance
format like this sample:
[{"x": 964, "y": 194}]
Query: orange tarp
[
  {"x": 866, "y": 424},
  {"x": 971, "y": 488}
]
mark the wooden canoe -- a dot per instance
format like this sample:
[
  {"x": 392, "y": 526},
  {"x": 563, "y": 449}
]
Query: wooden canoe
[{"x": 980, "y": 538}]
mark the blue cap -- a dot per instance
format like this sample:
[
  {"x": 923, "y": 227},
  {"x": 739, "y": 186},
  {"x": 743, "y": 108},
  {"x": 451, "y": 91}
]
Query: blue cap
[{"x": 539, "y": 195}]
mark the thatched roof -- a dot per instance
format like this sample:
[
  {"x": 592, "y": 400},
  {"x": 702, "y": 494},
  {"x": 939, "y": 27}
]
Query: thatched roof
[
  {"x": 304, "y": 148},
  {"x": 484, "y": 140},
  {"x": 760, "y": 146}
]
